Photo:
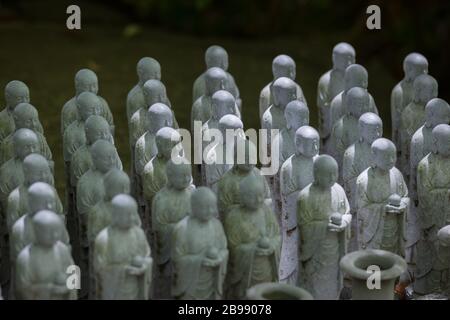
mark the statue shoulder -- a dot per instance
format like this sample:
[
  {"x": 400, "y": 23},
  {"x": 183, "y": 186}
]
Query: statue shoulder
[
  {"x": 324, "y": 80},
  {"x": 417, "y": 137}
]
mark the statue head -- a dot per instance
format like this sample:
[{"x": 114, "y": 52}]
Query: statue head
[
  {"x": 229, "y": 122},
  {"x": 36, "y": 168},
  {"x": 425, "y": 88},
  {"x": 154, "y": 91},
  {"x": 357, "y": 102},
  {"x": 370, "y": 127},
  {"x": 215, "y": 79},
  {"x": 296, "y": 115},
  {"x": 41, "y": 196},
  {"x": 97, "y": 128},
  {"x": 86, "y": 81},
  {"x": 148, "y": 68},
  {"x": 48, "y": 228},
  {"x": 325, "y": 171},
  {"x": 414, "y": 65},
  {"x": 116, "y": 182},
  {"x": 88, "y": 104},
  {"x": 441, "y": 140},
  {"x": 444, "y": 236},
  {"x": 159, "y": 116},
  {"x": 343, "y": 56},
  {"x": 247, "y": 161},
  {"x": 223, "y": 103},
  {"x": 252, "y": 192},
  {"x": 356, "y": 76},
  {"x": 25, "y": 141},
  {"x": 124, "y": 211},
  {"x": 203, "y": 204},
  {"x": 437, "y": 111},
  {"x": 283, "y": 91},
  {"x": 26, "y": 116},
  {"x": 104, "y": 155},
  {"x": 16, "y": 92},
  {"x": 384, "y": 154},
  {"x": 179, "y": 175},
  {"x": 283, "y": 66},
  {"x": 166, "y": 139},
  {"x": 216, "y": 56},
  {"x": 307, "y": 141}
]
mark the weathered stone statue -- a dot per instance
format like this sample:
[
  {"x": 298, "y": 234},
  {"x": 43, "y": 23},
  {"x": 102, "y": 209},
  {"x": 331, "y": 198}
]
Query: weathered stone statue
[
  {"x": 254, "y": 240},
  {"x": 170, "y": 205},
  {"x": 228, "y": 192},
  {"x": 123, "y": 265},
  {"x": 413, "y": 116},
  {"x": 147, "y": 69},
  {"x": 345, "y": 130},
  {"x": 85, "y": 81},
  {"x": 323, "y": 217},
  {"x": 437, "y": 112},
  {"x": 25, "y": 117},
  {"x": 382, "y": 202},
  {"x": 220, "y": 154},
  {"x": 216, "y": 56},
  {"x": 433, "y": 185},
  {"x": 282, "y": 66},
  {"x": 331, "y": 83},
  {"x": 214, "y": 79},
  {"x": 414, "y": 65},
  {"x": 296, "y": 173},
  {"x": 199, "y": 251},
  {"x": 41, "y": 268},
  {"x": 442, "y": 265}
]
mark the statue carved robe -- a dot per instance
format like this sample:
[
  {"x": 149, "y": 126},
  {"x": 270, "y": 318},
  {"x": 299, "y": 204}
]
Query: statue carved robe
[
  {"x": 344, "y": 134},
  {"x": 401, "y": 96},
  {"x": 265, "y": 98}
]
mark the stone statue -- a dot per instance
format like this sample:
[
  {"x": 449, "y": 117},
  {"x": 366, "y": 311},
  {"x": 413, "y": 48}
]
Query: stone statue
[
  {"x": 441, "y": 267},
  {"x": 147, "y": 69},
  {"x": 437, "y": 112},
  {"x": 345, "y": 130},
  {"x": 199, "y": 251},
  {"x": 433, "y": 185},
  {"x": 25, "y": 117},
  {"x": 323, "y": 217},
  {"x": 41, "y": 267},
  {"x": 295, "y": 174},
  {"x": 170, "y": 205},
  {"x": 220, "y": 155},
  {"x": 331, "y": 83},
  {"x": 382, "y": 202},
  {"x": 85, "y": 81},
  {"x": 254, "y": 240},
  {"x": 228, "y": 192},
  {"x": 123, "y": 265},
  {"x": 414, "y": 65},
  {"x": 282, "y": 66},
  {"x": 216, "y": 57},
  {"x": 413, "y": 116},
  {"x": 214, "y": 79}
]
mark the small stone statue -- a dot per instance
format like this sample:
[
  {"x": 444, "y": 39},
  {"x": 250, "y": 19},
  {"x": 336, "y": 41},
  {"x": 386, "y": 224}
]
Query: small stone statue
[
  {"x": 147, "y": 69},
  {"x": 228, "y": 187},
  {"x": 331, "y": 83},
  {"x": 414, "y": 65},
  {"x": 220, "y": 157},
  {"x": 123, "y": 265},
  {"x": 170, "y": 205},
  {"x": 382, "y": 202},
  {"x": 214, "y": 79},
  {"x": 85, "y": 81},
  {"x": 216, "y": 56},
  {"x": 437, "y": 112},
  {"x": 282, "y": 66},
  {"x": 199, "y": 251},
  {"x": 25, "y": 117},
  {"x": 433, "y": 189},
  {"x": 441, "y": 267},
  {"x": 345, "y": 130},
  {"x": 296, "y": 173},
  {"x": 41, "y": 268},
  {"x": 323, "y": 217},
  {"x": 254, "y": 240},
  {"x": 413, "y": 116}
]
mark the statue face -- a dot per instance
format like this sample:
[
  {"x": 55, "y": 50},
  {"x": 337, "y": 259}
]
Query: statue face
[
  {"x": 307, "y": 146},
  {"x": 325, "y": 179},
  {"x": 104, "y": 161},
  {"x": 223, "y": 103},
  {"x": 42, "y": 174},
  {"x": 342, "y": 60},
  {"x": 154, "y": 93},
  {"x": 148, "y": 72},
  {"x": 180, "y": 178},
  {"x": 254, "y": 200},
  {"x": 282, "y": 96},
  {"x": 425, "y": 89},
  {"x": 114, "y": 189},
  {"x": 441, "y": 139},
  {"x": 296, "y": 118},
  {"x": 385, "y": 159},
  {"x": 17, "y": 95},
  {"x": 205, "y": 210},
  {"x": 48, "y": 233},
  {"x": 160, "y": 119},
  {"x": 371, "y": 132},
  {"x": 122, "y": 218},
  {"x": 29, "y": 120},
  {"x": 37, "y": 204},
  {"x": 414, "y": 65},
  {"x": 283, "y": 66},
  {"x": 87, "y": 85},
  {"x": 25, "y": 147},
  {"x": 216, "y": 57},
  {"x": 356, "y": 76}
]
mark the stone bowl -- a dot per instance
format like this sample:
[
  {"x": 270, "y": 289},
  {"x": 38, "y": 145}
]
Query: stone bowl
[{"x": 277, "y": 291}]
